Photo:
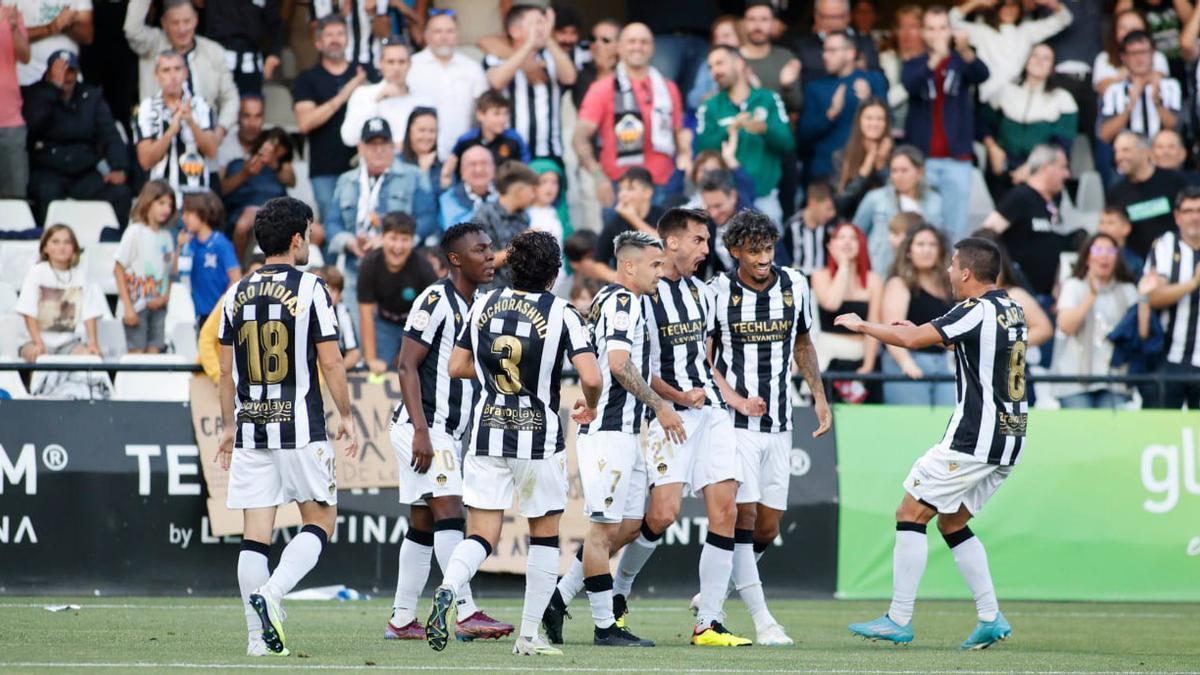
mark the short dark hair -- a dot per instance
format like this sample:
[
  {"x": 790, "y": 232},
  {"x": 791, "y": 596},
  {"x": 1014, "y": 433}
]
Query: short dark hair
[
  {"x": 676, "y": 219},
  {"x": 330, "y": 20},
  {"x": 1119, "y": 211},
  {"x": 514, "y": 173},
  {"x": 845, "y": 36},
  {"x": 492, "y": 98},
  {"x": 207, "y": 206},
  {"x": 981, "y": 256},
  {"x": 749, "y": 227},
  {"x": 1187, "y": 194},
  {"x": 819, "y": 191},
  {"x": 751, "y": 4},
  {"x": 169, "y": 5},
  {"x": 457, "y": 232},
  {"x": 717, "y": 179},
  {"x": 733, "y": 53},
  {"x": 1134, "y": 37},
  {"x": 332, "y": 277},
  {"x": 580, "y": 245},
  {"x": 534, "y": 260},
  {"x": 400, "y": 222},
  {"x": 566, "y": 16},
  {"x": 517, "y": 12},
  {"x": 278, "y": 221},
  {"x": 637, "y": 174}
]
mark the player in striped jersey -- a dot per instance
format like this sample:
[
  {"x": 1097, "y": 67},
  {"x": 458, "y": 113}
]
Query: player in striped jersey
[
  {"x": 983, "y": 441},
  {"x": 679, "y": 316},
  {"x": 514, "y": 343},
  {"x": 426, "y": 433},
  {"x": 1174, "y": 267},
  {"x": 763, "y": 315},
  {"x": 276, "y": 325},
  {"x": 612, "y": 469}
]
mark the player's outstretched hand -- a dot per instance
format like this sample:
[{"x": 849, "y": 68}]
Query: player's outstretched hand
[
  {"x": 346, "y": 431},
  {"x": 695, "y": 398},
  {"x": 824, "y": 417},
  {"x": 672, "y": 423},
  {"x": 225, "y": 448},
  {"x": 851, "y": 322},
  {"x": 422, "y": 451},
  {"x": 582, "y": 414}
]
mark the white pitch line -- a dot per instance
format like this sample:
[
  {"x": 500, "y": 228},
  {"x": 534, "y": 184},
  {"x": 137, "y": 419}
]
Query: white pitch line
[{"x": 554, "y": 669}]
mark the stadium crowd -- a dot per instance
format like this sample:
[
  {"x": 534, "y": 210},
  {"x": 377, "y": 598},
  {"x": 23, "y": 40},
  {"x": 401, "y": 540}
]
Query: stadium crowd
[{"x": 1066, "y": 130}]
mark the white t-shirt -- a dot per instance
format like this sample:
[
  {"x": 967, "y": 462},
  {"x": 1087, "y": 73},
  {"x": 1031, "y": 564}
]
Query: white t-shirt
[
  {"x": 453, "y": 89},
  {"x": 60, "y": 302},
  {"x": 146, "y": 256},
  {"x": 1088, "y": 351},
  {"x": 40, "y": 13},
  {"x": 363, "y": 105}
]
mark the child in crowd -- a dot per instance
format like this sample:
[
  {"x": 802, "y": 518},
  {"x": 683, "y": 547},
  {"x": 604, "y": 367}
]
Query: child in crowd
[
  {"x": 59, "y": 305},
  {"x": 335, "y": 281},
  {"x": 802, "y": 245},
  {"x": 1115, "y": 224},
  {"x": 580, "y": 250},
  {"x": 582, "y": 293},
  {"x": 145, "y": 261},
  {"x": 898, "y": 228},
  {"x": 549, "y": 211},
  {"x": 214, "y": 263},
  {"x": 493, "y": 115},
  {"x": 508, "y": 216},
  {"x": 437, "y": 260}
]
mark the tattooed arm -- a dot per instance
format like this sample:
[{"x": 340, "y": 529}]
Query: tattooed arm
[
  {"x": 805, "y": 355},
  {"x": 624, "y": 371}
]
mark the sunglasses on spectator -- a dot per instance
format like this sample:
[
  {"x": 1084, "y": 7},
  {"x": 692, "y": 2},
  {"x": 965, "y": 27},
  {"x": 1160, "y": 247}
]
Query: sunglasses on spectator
[{"x": 440, "y": 12}]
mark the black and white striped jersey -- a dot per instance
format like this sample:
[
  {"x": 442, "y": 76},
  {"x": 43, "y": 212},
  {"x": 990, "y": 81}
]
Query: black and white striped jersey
[
  {"x": 347, "y": 337},
  {"x": 756, "y": 333},
  {"x": 520, "y": 342},
  {"x": 680, "y": 317},
  {"x": 437, "y": 316},
  {"x": 805, "y": 246},
  {"x": 989, "y": 336},
  {"x": 274, "y": 319},
  {"x": 183, "y": 166},
  {"x": 617, "y": 324},
  {"x": 1176, "y": 262}
]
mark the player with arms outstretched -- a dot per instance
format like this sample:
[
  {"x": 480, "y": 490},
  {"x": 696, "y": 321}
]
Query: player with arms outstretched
[
  {"x": 276, "y": 326},
  {"x": 982, "y": 443}
]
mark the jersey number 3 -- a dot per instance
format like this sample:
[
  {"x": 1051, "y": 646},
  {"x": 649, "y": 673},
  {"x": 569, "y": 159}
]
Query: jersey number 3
[
  {"x": 508, "y": 381},
  {"x": 266, "y": 350},
  {"x": 1016, "y": 372}
]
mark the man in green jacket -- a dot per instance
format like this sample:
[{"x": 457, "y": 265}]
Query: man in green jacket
[{"x": 750, "y": 123}]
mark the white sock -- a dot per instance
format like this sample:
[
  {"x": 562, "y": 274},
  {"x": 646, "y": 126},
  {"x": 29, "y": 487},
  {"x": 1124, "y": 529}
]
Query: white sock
[
  {"x": 444, "y": 543},
  {"x": 908, "y": 564},
  {"x": 749, "y": 585},
  {"x": 972, "y": 562},
  {"x": 252, "y": 572},
  {"x": 416, "y": 553},
  {"x": 468, "y": 556},
  {"x": 716, "y": 568},
  {"x": 600, "y": 596},
  {"x": 541, "y": 573},
  {"x": 298, "y": 559},
  {"x": 572, "y": 582},
  {"x": 633, "y": 559}
]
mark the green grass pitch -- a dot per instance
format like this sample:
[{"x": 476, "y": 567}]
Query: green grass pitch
[{"x": 190, "y": 634}]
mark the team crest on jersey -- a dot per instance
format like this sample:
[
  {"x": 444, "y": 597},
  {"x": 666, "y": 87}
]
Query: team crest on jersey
[
  {"x": 432, "y": 298},
  {"x": 601, "y": 463},
  {"x": 621, "y": 321},
  {"x": 788, "y": 299},
  {"x": 662, "y": 468},
  {"x": 969, "y": 303},
  {"x": 735, "y": 300},
  {"x": 420, "y": 319},
  {"x": 952, "y": 466},
  {"x": 441, "y": 480},
  {"x": 623, "y": 300},
  {"x": 695, "y": 293},
  {"x": 916, "y": 482},
  {"x": 457, "y": 317}
]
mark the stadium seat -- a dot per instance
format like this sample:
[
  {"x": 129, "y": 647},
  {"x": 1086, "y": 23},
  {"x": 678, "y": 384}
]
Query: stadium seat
[
  {"x": 145, "y": 386},
  {"x": 980, "y": 204},
  {"x": 277, "y": 101},
  {"x": 179, "y": 306},
  {"x": 16, "y": 259},
  {"x": 302, "y": 190},
  {"x": 86, "y": 218},
  {"x": 1091, "y": 192},
  {"x": 98, "y": 260},
  {"x": 1081, "y": 156},
  {"x": 96, "y": 377},
  {"x": 10, "y": 383},
  {"x": 111, "y": 334},
  {"x": 15, "y": 215},
  {"x": 10, "y": 335},
  {"x": 182, "y": 338},
  {"x": 8, "y": 297}
]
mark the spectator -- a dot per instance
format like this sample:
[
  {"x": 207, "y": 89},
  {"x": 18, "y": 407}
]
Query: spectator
[
  {"x": 1116, "y": 226},
  {"x": 14, "y": 49},
  {"x": 335, "y": 282},
  {"x": 864, "y": 17},
  {"x": 71, "y": 130},
  {"x": 639, "y": 116},
  {"x": 941, "y": 113},
  {"x": 846, "y": 284},
  {"x": 898, "y": 228},
  {"x": 52, "y": 26},
  {"x": 381, "y": 184},
  {"x": 476, "y": 18},
  {"x": 1091, "y": 302},
  {"x": 493, "y": 130},
  {"x": 680, "y": 27},
  {"x": 175, "y": 132},
  {"x": 603, "y": 61},
  {"x": 862, "y": 165},
  {"x": 59, "y": 304},
  {"x": 918, "y": 290},
  {"x": 906, "y": 191},
  {"x": 1168, "y": 152},
  {"x": 437, "y": 260},
  {"x": 320, "y": 95},
  {"x": 208, "y": 346},
  {"x": 252, "y": 34},
  {"x": 1040, "y": 329},
  {"x": 208, "y": 77},
  {"x": 832, "y": 16},
  {"x": 145, "y": 261},
  {"x": 1143, "y": 101},
  {"x": 516, "y": 186},
  {"x": 567, "y": 25},
  {"x": 248, "y": 182},
  {"x": 831, "y": 104},
  {"x": 713, "y": 160},
  {"x": 721, "y": 201},
  {"x": 532, "y": 71},
  {"x": 1108, "y": 68},
  {"x": 803, "y": 242},
  {"x": 750, "y": 119},
  {"x": 1174, "y": 269},
  {"x": 390, "y": 98},
  {"x": 906, "y": 44},
  {"x": 580, "y": 251},
  {"x": 1027, "y": 115},
  {"x": 1077, "y": 47},
  {"x": 725, "y": 32},
  {"x": 635, "y": 210},
  {"x": 390, "y": 279},
  {"x": 583, "y": 291},
  {"x": 1145, "y": 192},
  {"x": 477, "y": 171},
  {"x": 420, "y": 146},
  {"x": 447, "y": 77},
  {"x": 251, "y": 115},
  {"x": 366, "y": 24},
  {"x": 214, "y": 264},
  {"x": 549, "y": 211},
  {"x": 776, "y": 68},
  {"x": 1165, "y": 19},
  {"x": 1005, "y": 38}
]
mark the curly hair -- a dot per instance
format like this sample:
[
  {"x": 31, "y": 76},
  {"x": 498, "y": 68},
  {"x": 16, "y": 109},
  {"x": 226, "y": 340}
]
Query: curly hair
[
  {"x": 750, "y": 228},
  {"x": 534, "y": 258},
  {"x": 278, "y": 221}
]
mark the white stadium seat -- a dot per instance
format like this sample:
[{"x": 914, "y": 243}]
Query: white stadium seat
[
  {"x": 302, "y": 190},
  {"x": 277, "y": 104},
  {"x": 10, "y": 335},
  {"x": 15, "y": 215},
  {"x": 182, "y": 338},
  {"x": 99, "y": 377},
  {"x": 111, "y": 334},
  {"x": 180, "y": 308},
  {"x": 86, "y": 218},
  {"x": 146, "y": 386},
  {"x": 8, "y": 297},
  {"x": 1090, "y": 193},
  {"x": 98, "y": 264},
  {"x": 980, "y": 204},
  {"x": 16, "y": 259}
]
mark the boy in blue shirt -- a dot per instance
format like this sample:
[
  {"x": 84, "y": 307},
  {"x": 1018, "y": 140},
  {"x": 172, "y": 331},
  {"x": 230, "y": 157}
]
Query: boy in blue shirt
[{"x": 214, "y": 263}]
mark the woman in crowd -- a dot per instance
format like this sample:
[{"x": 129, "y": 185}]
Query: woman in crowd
[
  {"x": 863, "y": 164},
  {"x": 1003, "y": 40},
  {"x": 420, "y": 147},
  {"x": 906, "y": 43},
  {"x": 1091, "y": 303},
  {"x": 727, "y": 32},
  {"x": 905, "y": 192},
  {"x": 1107, "y": 69},
  {"x": 918, "y": 290},
  {"x": 847, "y": 284},
  {"x": 59, "y": 305}
]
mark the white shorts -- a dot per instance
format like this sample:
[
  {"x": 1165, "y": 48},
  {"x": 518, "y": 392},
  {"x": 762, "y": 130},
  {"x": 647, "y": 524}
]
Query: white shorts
[
  {"x": 766, "y": 467},
  {"x": 444, "y": 477},
  {"x": 540, "y": 484},
  {"x": 259, "y": 478},
  {"x": 708, "y": 455},
  {"x": 612, "y": 472},
  {"x": 948, "y": 479}
]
